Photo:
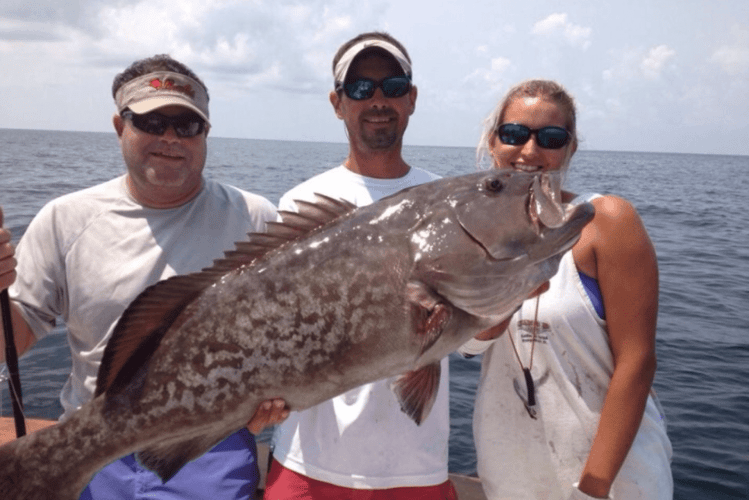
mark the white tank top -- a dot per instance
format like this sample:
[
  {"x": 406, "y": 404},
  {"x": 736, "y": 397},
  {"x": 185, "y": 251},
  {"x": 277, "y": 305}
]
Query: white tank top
[{"x": 523, "y": 458}]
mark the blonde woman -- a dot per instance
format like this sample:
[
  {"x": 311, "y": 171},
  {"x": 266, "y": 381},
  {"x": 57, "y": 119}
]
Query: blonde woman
[{"x": 564, "y": 408}]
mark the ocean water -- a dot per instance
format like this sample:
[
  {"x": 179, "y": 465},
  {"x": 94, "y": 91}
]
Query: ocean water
[{"x": 695, "y": 208}]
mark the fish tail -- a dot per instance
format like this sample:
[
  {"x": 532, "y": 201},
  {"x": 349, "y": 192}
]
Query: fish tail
[
  {"x": 21, "y": 478},
  {"x": 54, "y": 462}
]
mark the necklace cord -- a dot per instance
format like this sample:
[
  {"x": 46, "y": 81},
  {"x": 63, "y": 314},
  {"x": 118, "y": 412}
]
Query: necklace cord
[{"x": 529, "y": 384}]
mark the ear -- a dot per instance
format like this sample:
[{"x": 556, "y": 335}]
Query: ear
[
  {"x": 119, "y": 124},
  {"x": 335, "y": 100},
  {"x": 412, "y": 97}
]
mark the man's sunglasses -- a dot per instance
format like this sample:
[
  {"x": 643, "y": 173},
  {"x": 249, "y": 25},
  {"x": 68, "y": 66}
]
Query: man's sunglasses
[
  {"x": 515, "y": 134},
  {"x": 186, "y": 125},
  {"x": 364, "y": 88}
]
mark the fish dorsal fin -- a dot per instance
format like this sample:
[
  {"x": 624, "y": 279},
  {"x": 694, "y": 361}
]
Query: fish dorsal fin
[
  {"x": 144, "y": 323},
  {"x": 293, "y": 225},
  {"x": 312, "y": 215}
]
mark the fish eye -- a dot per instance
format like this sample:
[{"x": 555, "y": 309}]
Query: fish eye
[{"x": 494, "y": 185}]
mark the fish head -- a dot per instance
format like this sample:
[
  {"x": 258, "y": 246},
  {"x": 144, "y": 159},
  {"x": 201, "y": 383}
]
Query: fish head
[
  {"x": 517, "y": 214},
  {"x": 498, "y": 236}
]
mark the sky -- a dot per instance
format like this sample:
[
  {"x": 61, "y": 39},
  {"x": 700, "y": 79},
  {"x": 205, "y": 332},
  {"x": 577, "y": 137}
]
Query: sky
[{"x": 666, "y": 76}]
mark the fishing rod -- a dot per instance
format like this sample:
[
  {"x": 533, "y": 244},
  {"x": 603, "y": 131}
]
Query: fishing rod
[{"x": 11, "y": 360}]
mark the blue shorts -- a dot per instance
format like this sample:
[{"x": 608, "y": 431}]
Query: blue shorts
[{"x": 228, "y": 471}]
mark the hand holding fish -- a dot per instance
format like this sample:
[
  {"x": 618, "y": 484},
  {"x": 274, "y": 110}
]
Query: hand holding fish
[{"x": 269, "y": 413}]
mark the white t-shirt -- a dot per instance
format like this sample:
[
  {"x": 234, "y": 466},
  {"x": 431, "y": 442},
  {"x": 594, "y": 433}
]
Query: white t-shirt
[
  {"x": 88, "y": 254},
  {"x": 362, "y": 439}
]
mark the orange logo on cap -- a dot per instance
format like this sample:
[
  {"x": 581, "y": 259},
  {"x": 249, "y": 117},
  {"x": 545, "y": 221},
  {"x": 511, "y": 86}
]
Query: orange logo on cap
[{"x": 168, "y": 84}]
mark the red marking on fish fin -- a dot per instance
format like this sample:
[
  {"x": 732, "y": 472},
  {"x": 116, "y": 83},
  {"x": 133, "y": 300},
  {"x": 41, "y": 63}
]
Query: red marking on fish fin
[
  {"x": 142, "y": 326},
  {"x": 429, "y": 314},
  {"x": 166, "y": 460},
  {"x": 417, "y": 390}
]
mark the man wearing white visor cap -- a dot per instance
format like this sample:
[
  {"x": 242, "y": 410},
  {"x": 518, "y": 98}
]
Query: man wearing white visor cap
[
  {"x": 360, "y": 444},
  {"x": 88, "y": 254}
]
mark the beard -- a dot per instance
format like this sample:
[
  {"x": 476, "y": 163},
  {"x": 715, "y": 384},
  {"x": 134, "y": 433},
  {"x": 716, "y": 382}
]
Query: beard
[
  {"x": 383, "y": 137},
  {"x": 380, "y": 139}
]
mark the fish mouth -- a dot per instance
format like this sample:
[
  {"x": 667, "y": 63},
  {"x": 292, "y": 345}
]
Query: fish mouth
[
  {"x": 519, "y": 216},
  {"x": 560, "y": 229},
  {"x": 544, "y": 203},
  {"x": 548, "y": 214},
  {"x": 576, "y": 216}
]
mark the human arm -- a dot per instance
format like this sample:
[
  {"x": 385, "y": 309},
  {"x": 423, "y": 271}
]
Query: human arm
[
  {"x": 22, "y": 334},
  {"x": 627, "y": 271}
]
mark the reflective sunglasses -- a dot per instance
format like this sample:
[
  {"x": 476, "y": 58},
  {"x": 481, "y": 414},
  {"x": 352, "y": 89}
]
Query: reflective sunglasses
[
  {"x": 364, "y": 88},
  {"x": 516, "y": 134},
  {"x": 185, "y": 125}
]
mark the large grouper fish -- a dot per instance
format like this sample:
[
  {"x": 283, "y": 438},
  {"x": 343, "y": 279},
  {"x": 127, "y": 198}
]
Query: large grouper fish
[{"x": 327, "y": 299}]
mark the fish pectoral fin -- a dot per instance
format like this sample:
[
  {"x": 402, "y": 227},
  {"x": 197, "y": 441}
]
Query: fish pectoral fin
[
  {"x": 142, "y": 326},
  {"x": 167, "y": 460},
  {"x": 416, "y": 391},
  {"x": 429, "y": 313}
]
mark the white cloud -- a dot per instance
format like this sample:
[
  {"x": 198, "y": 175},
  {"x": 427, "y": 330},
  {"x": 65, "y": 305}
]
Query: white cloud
[
  {"x": 493, "y": 75},
  {"x": 270, "y": 60},
  {"x": 733, "y": 57},
  {"x": 279, "y": 43},
  {"x": 549, "y": 25},
  {"x": 654, "y": 62},
  {"x": 575, "y": 35},
  {"x": 639, "y": 64},
  {"x": 732, "y": 60}
]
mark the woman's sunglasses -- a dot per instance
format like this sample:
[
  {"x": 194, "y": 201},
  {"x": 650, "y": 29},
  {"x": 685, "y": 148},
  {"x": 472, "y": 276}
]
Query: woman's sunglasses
[
  {"x": 186, "y": 125},
  {"x": 364, "y": 88},
  {"x": 515, "y": 134}
]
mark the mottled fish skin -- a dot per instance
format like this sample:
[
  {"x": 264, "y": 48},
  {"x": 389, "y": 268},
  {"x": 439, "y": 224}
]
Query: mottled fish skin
[{"x": 384, "y": 290}]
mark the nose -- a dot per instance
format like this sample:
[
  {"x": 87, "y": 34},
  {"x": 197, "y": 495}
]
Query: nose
[
  {"x": 531, "y": 148},
  {"x": 170, "y": 134},
  {"x": 378, "y": 100}
]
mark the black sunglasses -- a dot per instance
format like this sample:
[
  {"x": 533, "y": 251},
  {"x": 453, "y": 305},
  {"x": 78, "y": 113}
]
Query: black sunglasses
[
  {"x": 364, "y": 88},
  {"x": 185, "y": 125},
  {"x": 516, "y": 134}
]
